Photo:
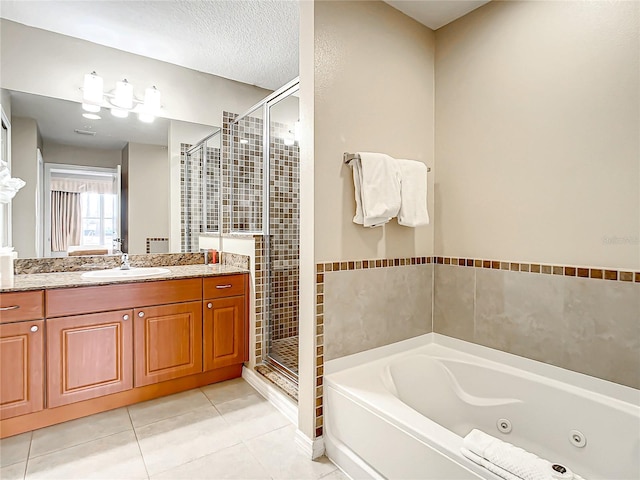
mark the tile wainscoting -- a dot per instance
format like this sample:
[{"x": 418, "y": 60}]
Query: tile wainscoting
[
  {"x": 583, "y": 319},
  {"x": 585, "y": 325},
  {"x": 363, "y": 304}
]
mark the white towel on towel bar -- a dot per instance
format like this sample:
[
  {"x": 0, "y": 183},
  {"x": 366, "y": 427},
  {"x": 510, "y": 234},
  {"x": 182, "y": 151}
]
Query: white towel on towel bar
[
  {"x": 376, "y": 179},
  {"x": 413, "y": 193},
  {"x": 508, "y": 461}
]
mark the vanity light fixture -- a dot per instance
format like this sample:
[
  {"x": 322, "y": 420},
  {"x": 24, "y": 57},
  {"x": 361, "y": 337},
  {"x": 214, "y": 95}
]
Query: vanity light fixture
[{"x": 121, "y": 101}]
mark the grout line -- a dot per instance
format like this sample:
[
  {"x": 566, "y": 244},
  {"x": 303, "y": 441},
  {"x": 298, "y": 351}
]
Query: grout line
[
  {"x": 26, "y": 463},
  {"x": 135, "y": 434}
]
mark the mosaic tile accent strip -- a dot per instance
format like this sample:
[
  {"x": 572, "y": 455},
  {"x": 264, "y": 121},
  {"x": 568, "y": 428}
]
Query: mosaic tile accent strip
[
  {"x": 260, "y": 295},
  {"x": 545, "y": 269},
  {"x": 157, "y": 244},
  {"x": 321, "y": 268}
]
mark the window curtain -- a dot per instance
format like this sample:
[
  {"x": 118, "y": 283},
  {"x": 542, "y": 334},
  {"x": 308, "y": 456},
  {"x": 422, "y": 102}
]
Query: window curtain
[{"x": 66, "y": 220}]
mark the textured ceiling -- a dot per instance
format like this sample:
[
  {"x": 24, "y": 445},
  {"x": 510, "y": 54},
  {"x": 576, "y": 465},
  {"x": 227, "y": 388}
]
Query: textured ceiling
[{"x": 251, "y": 41}]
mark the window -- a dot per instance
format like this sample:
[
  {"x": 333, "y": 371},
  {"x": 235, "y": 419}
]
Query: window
[{"x": 98, "y": 218}]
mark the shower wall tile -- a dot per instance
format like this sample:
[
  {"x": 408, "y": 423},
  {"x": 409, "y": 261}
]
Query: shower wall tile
[
  {"x": 586, "y": 325},
  {"x": 369, "y": 308},
  {"x": 453, "y": 301}
]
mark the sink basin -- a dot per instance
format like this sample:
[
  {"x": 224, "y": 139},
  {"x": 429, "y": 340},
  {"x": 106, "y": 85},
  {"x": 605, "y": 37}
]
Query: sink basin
[{"x": 117, "y": 274}]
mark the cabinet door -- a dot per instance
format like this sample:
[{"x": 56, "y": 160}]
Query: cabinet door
[
  {"x": 224, "y": 332},
  {"x": 21, "y": 368},
  {"x": 89, "y": 356},
  {"x": 168, "y": 342}
]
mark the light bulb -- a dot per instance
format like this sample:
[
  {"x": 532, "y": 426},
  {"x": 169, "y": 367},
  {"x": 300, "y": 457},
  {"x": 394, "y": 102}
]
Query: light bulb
[
  {"x": 118, "y": 112},
  {"x": 92, "y": 89},
  {"x": 152, "y": 101},
  {"x": 87, "y": 107},
  {"x": 91, "y": 116},
  {"x": 124, "y": 95},
  {"x": 146, "y": 117}
]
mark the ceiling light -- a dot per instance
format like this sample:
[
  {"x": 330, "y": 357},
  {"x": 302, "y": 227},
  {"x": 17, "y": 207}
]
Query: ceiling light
[
  {"x": 119, "y": 112},
  {"x": 91, "y": 116},
  {"x": 87, "y": 107},
  {"x": 123, "y": 97},
  {"x": 146, "y": 117},
  {"x": 152, "y": 100},
  {"x": 93, "y": 88}
]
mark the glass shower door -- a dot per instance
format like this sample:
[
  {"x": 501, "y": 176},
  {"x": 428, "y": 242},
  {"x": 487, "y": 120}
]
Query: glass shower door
[{"x": 283, "y": 239}]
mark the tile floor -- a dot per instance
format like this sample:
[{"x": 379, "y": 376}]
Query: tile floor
[
  {"x": 285, "y": 352},
  {"x": 222, "y": 431}
]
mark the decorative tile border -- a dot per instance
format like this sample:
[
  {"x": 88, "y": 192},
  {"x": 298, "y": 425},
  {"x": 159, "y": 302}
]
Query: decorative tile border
[
  {"x": 321, "y": 269},
  {"x": 565, "y": 270},
  {"x": 534, "y": 268},
  {"x": 156, "y": 239}
]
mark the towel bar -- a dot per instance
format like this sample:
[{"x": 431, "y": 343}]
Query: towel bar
[{"x": 347, "y": 157}]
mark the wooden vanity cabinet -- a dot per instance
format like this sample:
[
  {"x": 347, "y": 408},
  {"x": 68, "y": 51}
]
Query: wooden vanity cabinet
[
  {"x": 108, "y": 346},
  {"x": 168, "y": 342},
  {"x": 21, "y": 368},
  {"x": 21, "y": 353},
  {"x": 225, "y": 326},
  {"x": 89, "y": 356}
]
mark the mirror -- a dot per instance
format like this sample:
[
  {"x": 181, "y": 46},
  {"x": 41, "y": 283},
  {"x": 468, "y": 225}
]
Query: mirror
[{"x": 121, "y": 170}]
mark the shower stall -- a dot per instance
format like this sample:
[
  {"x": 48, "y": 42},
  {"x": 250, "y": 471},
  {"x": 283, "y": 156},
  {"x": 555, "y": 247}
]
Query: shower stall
[
  {"x": 264, "y": 201},
  {"x": 244, "y": 182},
  {"x": 200, "y": 201}
]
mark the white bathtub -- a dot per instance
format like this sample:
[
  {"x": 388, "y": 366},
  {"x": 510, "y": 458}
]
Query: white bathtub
[{"x": 401, "y": 411}]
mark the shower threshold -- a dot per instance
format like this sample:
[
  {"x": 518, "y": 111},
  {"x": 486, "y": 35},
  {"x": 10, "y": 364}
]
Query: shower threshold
[{"x": 278, "y": 375}]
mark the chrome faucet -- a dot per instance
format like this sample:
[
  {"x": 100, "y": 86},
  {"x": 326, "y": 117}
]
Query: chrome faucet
[
  {"x": 116, "y": 246},
  {"x": 124, "y": 265}
]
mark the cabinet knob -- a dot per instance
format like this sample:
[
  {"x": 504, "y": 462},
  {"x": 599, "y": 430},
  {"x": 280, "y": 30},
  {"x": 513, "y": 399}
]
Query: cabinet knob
[
  {"x": 125, "y": 317},
  {"x": 141, "y": 314},
  {"x": 209, "y": 305},
  {"x": 34, "y": 328}
]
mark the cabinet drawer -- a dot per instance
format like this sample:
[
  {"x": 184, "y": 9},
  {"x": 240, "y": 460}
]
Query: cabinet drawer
[
  {"x": 77, "y": 301},
  {"x": 224, "y": 286},
  {"x": 18, "y": 306}
]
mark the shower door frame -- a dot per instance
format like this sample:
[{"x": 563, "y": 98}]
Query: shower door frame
[{"x": 266, "y": 103}]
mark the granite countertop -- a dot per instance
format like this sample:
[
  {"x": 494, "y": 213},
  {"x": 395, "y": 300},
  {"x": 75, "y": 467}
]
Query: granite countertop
[{"x": 45, "y": 281}]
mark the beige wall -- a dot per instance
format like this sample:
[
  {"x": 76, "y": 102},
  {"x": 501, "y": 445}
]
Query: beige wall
[
  {"x": 5, "y": 101},
  {"x": 373, "y": 92},
  {"x": 71, "y": 155},
  {"x": 537, "y": 134},
  {"x": 148, "y": 196},
  {"x": 24, "y": 165},
  {"x": 51, "y": 64}
]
